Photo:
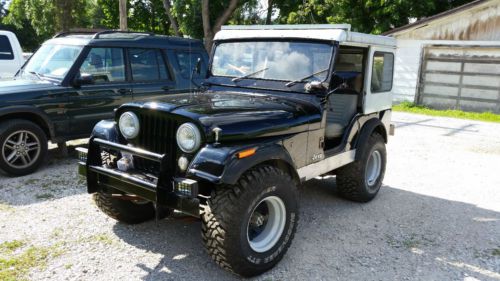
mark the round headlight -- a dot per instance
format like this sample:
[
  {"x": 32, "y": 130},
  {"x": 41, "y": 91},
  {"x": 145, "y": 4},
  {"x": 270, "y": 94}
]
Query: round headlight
[
  {"x": 188, "y": 137},
  {"x": 129, "y": 125}
]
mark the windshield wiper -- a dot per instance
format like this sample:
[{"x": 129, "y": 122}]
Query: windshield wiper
[
  {"x": 291, "y": 83},
  {"x": 38, "y": 75},
  {"x": 236, "y": 79}
]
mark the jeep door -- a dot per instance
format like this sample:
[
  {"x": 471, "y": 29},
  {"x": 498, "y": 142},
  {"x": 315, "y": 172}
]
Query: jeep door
[
  {"x": 150, "y": 73},
  {"x": 109, "y": 89}
]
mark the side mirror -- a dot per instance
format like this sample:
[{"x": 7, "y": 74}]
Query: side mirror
[
  {"x": 197, "y": 67},
  {"x": 84, "y": 79}
]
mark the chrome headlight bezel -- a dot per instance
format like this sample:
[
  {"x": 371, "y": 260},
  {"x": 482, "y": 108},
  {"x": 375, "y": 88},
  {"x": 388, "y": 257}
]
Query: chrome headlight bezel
[
  {"x": 126, "y": 119},
  {"x": 194, "y": 132}
]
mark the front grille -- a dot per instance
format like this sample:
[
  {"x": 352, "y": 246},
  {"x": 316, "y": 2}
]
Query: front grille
[{"x": 157, "y": 134}]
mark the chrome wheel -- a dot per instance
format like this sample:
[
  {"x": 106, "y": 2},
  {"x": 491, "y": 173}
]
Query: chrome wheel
[
  {"x": 21, "y": 149},
  {"x": 266, "y": 224},
  {"x": 373, "y": 168}
]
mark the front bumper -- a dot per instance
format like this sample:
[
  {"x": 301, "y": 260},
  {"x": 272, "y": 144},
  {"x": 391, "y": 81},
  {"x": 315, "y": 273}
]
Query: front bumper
[{"x": 163, "y": 189}]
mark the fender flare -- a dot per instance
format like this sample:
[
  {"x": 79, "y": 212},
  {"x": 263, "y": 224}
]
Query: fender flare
[
  {"x": 220, "y": 165},
  {"x": 106, "y": 130},
  {"x": 372, "y": 125},
  {"x": 32, "y": 110}
]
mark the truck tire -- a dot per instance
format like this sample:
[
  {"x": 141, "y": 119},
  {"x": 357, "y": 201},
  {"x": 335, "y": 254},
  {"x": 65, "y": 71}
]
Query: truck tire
[
  {"x": 23, "y": 147},
  {"x": 127, "y": 211},
  {"x": 248, "y": 227},
  {"x": 361, "y": 180}
]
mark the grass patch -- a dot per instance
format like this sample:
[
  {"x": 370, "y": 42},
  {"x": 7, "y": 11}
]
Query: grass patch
[
  {"x": 17, "y": 259},
  {"x": 453, "y": 113},
  {"x": 44, "y": 196},
  {"x": 496, "y": 252}
]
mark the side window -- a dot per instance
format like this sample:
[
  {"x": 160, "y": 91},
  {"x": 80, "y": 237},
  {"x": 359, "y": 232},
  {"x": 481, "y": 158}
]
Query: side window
[
  {"x": 187, "y": 61},
  {"x": 349, "y": 67},
  {"x": 382, "y": 72},
  {"x": 147, "y": 65},
  {"x": 6, "y": 52},
  {"x": 105, "y": 64}
]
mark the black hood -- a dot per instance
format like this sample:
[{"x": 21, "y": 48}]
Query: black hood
[{"x": 239, "y": 115}]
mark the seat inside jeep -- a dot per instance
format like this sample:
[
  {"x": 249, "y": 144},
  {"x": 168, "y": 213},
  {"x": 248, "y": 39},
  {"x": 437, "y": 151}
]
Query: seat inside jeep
[{"x": 344, "y": 102}]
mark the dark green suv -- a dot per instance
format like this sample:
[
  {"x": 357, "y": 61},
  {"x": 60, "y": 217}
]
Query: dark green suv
[{"x": 77, "y": 79}]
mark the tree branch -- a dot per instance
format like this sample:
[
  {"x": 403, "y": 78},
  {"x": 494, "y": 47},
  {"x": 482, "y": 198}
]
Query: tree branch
[
  {"x": 171, "y": 18},
  {"x": 225, "y": 15}
]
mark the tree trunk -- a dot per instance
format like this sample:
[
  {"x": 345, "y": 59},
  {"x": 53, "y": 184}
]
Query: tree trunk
[
  {"x": 123, "y": 15},
  {"x": 209, "y": 30},
  {"x": 64, "y": 16},
  {"x": 269, "y": 11},
  {"x": 171, "y": 18}
]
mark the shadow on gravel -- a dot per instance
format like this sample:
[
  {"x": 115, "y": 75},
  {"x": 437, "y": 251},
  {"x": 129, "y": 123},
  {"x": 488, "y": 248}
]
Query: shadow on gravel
[
  {"x": 56, "y": 179},
  {"x": 399, "y": 235}
]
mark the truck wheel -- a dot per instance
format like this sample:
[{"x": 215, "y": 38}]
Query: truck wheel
[
  {"x": 248, "y": 227},
  {"x": 127, "y": 211},
  {"x": 361, "y": 180},
  {"x": 23, "y": 147}
]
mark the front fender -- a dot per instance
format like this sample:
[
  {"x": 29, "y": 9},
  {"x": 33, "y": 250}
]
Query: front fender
[
  {"x": 106, "y": 130},
  {"x": 220, "y": 164}
]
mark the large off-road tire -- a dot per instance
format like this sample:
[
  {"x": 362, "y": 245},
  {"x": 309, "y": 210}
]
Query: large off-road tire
[
  {"x": 248, "y": 227},
  {"x": 23, "y": 147},
  {"x": 127, "y": 211},
  {"x": 361, "y": 180}
]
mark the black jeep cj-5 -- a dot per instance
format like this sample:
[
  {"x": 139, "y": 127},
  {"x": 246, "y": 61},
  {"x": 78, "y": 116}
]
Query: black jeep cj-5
[{"x": 281, "y": 105}]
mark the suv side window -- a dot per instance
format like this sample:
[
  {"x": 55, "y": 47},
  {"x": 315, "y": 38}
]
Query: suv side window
[
  {"x": 187, "y": 61},
  {"x": 382, "y": 72},
  {"x": 148, "y": 65},
  {"x": 105, "y": 64},
  {"x": 6, "y": 52}
]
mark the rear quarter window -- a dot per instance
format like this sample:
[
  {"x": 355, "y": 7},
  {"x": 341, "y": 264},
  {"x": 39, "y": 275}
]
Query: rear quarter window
[{"x": 6, "y": 52}]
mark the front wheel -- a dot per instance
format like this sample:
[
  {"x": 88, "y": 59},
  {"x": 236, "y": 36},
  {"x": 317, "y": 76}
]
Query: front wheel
[
  {"x": 23, "y": 147},
  {"x": 361, "y": 180},
  {"x": 247, "y": 228}
]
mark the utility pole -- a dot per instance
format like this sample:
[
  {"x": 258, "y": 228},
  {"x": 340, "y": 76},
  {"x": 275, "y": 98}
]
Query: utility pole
[{"x": 123, "y": 15}]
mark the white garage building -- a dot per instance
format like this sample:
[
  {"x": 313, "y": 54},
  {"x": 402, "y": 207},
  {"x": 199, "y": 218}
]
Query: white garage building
[{"x": 451, "y": 60}]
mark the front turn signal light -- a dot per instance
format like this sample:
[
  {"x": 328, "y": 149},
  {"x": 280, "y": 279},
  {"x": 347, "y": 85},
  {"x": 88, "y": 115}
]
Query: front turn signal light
[{"x": 246, "y": 153}]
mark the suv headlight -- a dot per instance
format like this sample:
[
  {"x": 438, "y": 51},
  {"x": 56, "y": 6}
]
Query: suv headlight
[
  {"x": 129, "y": 125},
  {"x": 188, "y": 137}
]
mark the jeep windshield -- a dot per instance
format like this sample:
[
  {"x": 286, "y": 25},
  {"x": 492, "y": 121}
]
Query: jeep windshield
[
  {"x": 272, "y": 60},
  {"x": 52, "y": 61}
]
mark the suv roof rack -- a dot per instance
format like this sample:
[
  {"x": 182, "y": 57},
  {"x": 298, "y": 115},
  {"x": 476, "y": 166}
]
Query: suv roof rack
[
  {"x": 97, "y": 33},
  {"x": 346, "y": 27}
]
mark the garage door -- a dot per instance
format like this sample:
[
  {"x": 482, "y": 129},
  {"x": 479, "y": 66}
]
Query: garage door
[{"x": 466, "y": 78}]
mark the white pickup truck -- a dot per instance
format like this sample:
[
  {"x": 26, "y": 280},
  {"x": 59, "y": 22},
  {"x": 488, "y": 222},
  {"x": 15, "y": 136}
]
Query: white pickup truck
[{"x": 11, "y": 55}]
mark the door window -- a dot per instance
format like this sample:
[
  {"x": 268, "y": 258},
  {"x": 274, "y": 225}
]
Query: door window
[
  {"x": 147, "y": 65},
  {"x": 6, "y": 52},
  {"x": 382, "y": 72},
  {"x": 187, "y": 61},
  {"x": 105, "y": 64}
]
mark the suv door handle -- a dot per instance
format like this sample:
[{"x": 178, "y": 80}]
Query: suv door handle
[
  {"x": 123, "y": 91},
  {"x": 167, "y": 88}
]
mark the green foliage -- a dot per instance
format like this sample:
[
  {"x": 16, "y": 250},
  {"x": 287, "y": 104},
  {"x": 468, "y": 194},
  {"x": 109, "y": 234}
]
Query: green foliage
[
  {"x": 453, "y": 113},
  {"x": 34, "y": 21},
  {"x": 44, "y": 18},
  {"x": 370, "y": 16}
]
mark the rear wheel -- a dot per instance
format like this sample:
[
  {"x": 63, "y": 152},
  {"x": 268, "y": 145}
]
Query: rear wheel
[
  {"x": 247, "y": 228},
  {"x": 361, "y": 180},
  {"x": 23, "y": 147},
  {"x": 126, "y": 210}
]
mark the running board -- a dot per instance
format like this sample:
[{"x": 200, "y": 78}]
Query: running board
[{"x": 324, "y": 166}]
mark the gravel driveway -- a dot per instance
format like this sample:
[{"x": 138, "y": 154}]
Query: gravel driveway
[{"x": 436, "y": 218}]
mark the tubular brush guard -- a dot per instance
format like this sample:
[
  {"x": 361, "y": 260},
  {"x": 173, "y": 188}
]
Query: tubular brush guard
[{"x": 165, "y": 190}]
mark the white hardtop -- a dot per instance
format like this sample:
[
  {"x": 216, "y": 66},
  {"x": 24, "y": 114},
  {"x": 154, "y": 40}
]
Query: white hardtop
[{"x": 332, "y": 32}]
